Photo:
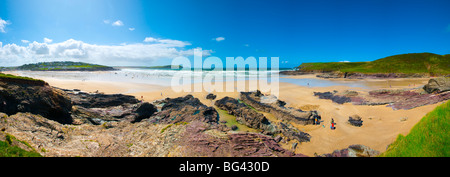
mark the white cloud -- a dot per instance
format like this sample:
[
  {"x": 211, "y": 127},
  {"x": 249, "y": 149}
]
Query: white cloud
[
  {"x": 218, "y": 39},
  {"x": 117, "y": 23},
  {"x": 150, "y": 39},
  {"x": 47, "y": 40},
  {"x": 131, "y": 29},
  {"x": 3, "y": 24},
  {"x": 345, "y": 61},
  {"x": 106, "y": 21},
  {"x": 25, "y": 41},
  {"x": 74, "y": 50},
  {"x": 167, "y": 42}
]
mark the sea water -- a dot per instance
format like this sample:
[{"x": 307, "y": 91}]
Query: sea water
[{"x": 163, "y": 77}]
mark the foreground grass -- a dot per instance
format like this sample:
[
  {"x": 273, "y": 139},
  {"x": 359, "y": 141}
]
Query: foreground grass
[
  {"x": 10, "y": 76},
  {"x": 7, "y": 149},
  {"x": 428, "y": 138}
]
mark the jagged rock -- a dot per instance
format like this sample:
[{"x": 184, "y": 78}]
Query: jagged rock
[
  {"x": 234, "y": 127},
  {"x": 331, "y": 96},
  {"x": 251, "y": 118},
  {"x": 211, "y": 143},
  {"x": 396, "y": 98},
  {"x": 276, "y": 107},
  {"x": 125, "y": 139},
  {"x": 291, "y": 132},
  {"x": 97, "y": 100},
  {"x": 184, "y": 109},
  {"x": 353, "y": 151},
  {"x": 37, "y": 98},
  {"x": 211, "y": 96},
  {"x": 355, "y": 120},
  {"x": 126, "y": 112},
  {"x": 438, "y": 85},
  {"x": 144, "y": 110},
  {"x": 245, "y": 115}
]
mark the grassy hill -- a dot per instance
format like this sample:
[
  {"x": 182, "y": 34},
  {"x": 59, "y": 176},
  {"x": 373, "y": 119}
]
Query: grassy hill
[
  {"x": 61, "y": 66},
  {"x": 430, "y": 63},
  {"x": 428, "y": 138}
]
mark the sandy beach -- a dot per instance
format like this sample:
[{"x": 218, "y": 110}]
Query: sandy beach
[{"x": 380, "y": 128}]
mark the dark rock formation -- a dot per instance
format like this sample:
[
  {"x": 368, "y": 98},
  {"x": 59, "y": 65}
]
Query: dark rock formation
[
  {"x": 34, "y": 97},
  {"x": 437, "y": 85},
  {"x": 97, "y": 100},
  {"x": 245, "y": 115},
  {"x": 251, "y": 118},
  {"x": 184, "y": 109},
  {"x": 211, "y": 96},
  {"x": 98, "y": 108},
  {"x": 331, "y": 96},
  {"x": 353, "y": 151},
  {"x": 234, "y": 127},
  {"x": 144, "y": 111},
  {"x": 355, "y": 120},
  {"x": 291, "y": 132},
  {"x": 296, "y": 72},
  {"x": 276, "y": 107}
]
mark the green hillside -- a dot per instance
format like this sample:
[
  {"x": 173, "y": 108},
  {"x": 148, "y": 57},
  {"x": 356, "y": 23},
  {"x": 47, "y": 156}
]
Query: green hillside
[
  {"x": 61, "y": 66},
  {"x": 428, "y": 138},
  {"x": 433, "y": 64}
]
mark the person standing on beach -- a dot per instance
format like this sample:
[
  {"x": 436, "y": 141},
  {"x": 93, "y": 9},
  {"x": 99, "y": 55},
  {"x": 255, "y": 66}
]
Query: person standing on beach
[{"x": 332, "y": 124}]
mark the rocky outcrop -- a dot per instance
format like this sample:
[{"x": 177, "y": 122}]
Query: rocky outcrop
[
  {"x": 353, "y": 151},
  {"x": 403, "y": 98},
  {"x": 126, "y": 112},
  {"x": 355, "y": 120},
  {"x": 98, "y": 108},
  {"x": 277, "y": 107},
  {"x": 200, "y": 140},
  {"x": 295, "y": 72},
  {"x": 245, "y": 115},
  {"x": 211, "y": 96},
  {"x": 34, "y": 97},
  {"x": 331, "y": 96},
  {"x": 437, "y": 85},
  {"x": 141, "y": 139},
  {"x": 123, "y": 139},
  {"x": 107, "y": 127},
  {"x": 251, "y": 118},
  {"x": 98, "y": 100},
  {"x": 184, "y": 109},
  {"x": 397, "y": 99},
  {"x": 352, "y": 75},
  {"x": 144, "y": 111},
  {"x": 383, "y": 75}
]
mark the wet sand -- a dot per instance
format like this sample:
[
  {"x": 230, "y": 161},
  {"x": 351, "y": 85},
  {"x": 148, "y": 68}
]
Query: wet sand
[{"x": 380, "y": 128}]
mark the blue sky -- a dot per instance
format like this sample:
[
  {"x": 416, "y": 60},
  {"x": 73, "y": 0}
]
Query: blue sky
[{"x": 114, "y": 32}]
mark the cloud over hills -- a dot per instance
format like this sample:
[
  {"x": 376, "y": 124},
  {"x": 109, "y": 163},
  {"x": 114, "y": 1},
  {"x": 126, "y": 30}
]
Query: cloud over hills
[{"x": 75, "y": 50}]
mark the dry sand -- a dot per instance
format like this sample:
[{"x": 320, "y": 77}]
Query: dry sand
[{"x": 380, "y": 128}]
